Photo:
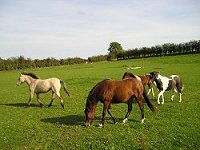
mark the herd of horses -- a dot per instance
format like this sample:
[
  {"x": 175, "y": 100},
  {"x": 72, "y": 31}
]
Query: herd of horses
[{"x": 109, "y": 91}]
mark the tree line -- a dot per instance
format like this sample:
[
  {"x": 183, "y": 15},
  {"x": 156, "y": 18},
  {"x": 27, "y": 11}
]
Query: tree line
[
  {"x": 115, "y": 51},
  {"x": 167, "y": 49},
  {"x": 16, "y": 63}
]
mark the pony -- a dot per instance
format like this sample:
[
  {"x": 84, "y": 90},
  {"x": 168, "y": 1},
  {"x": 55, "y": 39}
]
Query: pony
[
  {"x": 146, "y": 80},
  {"x": 163, "y": 84},
  {"x": 37, "y": 86},
  {"x": 116, "y": 91}
]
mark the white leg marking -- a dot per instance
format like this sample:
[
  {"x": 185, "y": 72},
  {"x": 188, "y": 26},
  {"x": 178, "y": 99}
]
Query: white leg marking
[
  {"x": 142, "y": 121},
  {"x": 100, "y": 125},
  {"x": 172, "y": 97},
  {"x": 125, "y": 120},
  {"x": 160, "y": 95},
  {"x": 158, "y": 100},
  {"x": 149, "y": 91},
  {"x": 152, "y": 92},
  {"x": 163, "y": 100},
  {"x": 180, "y": 97}
]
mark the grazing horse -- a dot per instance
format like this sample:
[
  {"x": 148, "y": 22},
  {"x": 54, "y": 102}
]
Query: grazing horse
[
  {"x": 37, "y": 86},
  {"x": 145, "y": 79},
  {"x": 163, "y": 83},
  {"x": 115, "y": 91}
]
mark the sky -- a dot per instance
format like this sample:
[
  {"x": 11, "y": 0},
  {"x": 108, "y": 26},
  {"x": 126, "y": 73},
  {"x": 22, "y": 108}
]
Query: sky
[{"x": 39, "y": 29}]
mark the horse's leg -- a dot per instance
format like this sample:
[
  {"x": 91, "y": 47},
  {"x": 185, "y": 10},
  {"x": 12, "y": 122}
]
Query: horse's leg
[
  {"x": 30, "y": 99},
  {"x": 130, "y": 102},
  {"x": 180, "y": 88},
  {"x": 109, "y": 112},
  {"x": 158, "y": 100},
  {"x": 38, "y": 99},
  {"x": 163, "y": 100},
  {"x": 149, "y": 91},
  {"x": 174, "y": 91},
  {"x": 160, "y": 95},
  {"x": 61, "y": 102},
  {"x": 152, "y": 91},
  {"x": 52, "y": 98},
  {"x": 140, "y": 104},
  {"x": 60, "y": 97},
  {"x": 105, "y": 108},
  {"x": 149, "y": 86},
  {"x": 180, "y": 97}
]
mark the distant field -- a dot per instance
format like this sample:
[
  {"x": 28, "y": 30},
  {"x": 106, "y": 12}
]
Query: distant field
[{"x": 175, "y": 126}]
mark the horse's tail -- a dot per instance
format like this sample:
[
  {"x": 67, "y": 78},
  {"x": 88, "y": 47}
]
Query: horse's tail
[
  {"x": 149, "y": 102},
  {"x": 65, "y": 87}
]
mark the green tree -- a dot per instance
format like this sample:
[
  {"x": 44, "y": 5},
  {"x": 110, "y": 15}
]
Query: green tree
[{"x": 114, "y": 49}]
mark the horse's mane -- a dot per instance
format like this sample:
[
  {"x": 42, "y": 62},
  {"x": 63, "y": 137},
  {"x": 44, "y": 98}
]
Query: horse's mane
[
  {"x": 30, "y": 74},
  {"x": 128, "y": 74},
  {"x": 91, "y": 91},
  {"x": 90, "y": 95}
]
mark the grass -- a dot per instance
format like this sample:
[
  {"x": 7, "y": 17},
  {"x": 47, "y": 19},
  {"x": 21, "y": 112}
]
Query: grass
[{"x": 175, "y": 126}]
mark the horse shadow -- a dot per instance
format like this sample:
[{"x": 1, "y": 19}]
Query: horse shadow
[
  {"x": 69, "y": 120},
  {"x": 20, "y": 105},
  {"x": 72, "y": 120}
]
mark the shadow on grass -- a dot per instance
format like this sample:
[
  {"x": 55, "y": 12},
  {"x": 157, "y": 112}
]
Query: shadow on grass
[
  {"x": 72, "y": 120},
  {"x": 69, "y": 120},
  {"x": 20, "y": 105}
]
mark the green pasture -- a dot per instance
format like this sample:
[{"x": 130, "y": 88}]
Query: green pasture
[{"x": 175, "y": 126}]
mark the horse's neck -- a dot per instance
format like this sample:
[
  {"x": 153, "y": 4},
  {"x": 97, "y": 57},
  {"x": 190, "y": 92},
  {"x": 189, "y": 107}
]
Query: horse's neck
[
  {"x": 29, "y": 80},
  {"x": 147, "y": 76},
  {"x": 162, "y": 77}
]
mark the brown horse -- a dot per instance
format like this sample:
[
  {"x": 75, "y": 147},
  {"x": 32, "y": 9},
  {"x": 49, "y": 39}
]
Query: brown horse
[
  {"x": 110, "y": 91},
  {"x": 146, "y": 80}
]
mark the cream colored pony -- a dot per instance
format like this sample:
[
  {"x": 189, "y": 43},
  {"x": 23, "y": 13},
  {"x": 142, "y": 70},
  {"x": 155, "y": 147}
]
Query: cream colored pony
[{"x": 37, "y": 86}]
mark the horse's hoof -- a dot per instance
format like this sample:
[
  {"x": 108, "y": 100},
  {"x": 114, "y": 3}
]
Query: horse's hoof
[
  {"x": 86, "y": 124},
  {"x": 63, "y": 106},
  {"x": 27, "y": 106},
  {"x": 125, "y": 120},
  {"x": 100, "y": 125},
  {"x": 142, "y": 121}
]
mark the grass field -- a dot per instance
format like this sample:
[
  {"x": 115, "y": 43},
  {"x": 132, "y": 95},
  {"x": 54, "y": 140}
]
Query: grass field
[{"x": 175, "y": 126}]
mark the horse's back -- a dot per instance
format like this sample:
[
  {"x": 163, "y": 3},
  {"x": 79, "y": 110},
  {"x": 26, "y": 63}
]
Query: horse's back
[
  {"x": 116, "y": 90},
  {"x": 49, "y": 83},
  {"x": 178, "y": 82}
]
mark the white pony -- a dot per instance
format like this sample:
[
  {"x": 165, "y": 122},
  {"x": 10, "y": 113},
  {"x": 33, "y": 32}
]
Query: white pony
[
  {"x": 37, "y": 86},
  {"x": 173, "y": 83}
]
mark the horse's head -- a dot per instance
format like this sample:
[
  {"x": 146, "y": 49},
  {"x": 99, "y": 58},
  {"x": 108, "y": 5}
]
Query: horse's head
[
  {"x": 153, "y": 75},
  {"x": 90, "y": 110},
  {"x": 128, "y": 75},
  {"x": 21, "y": 80}
]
